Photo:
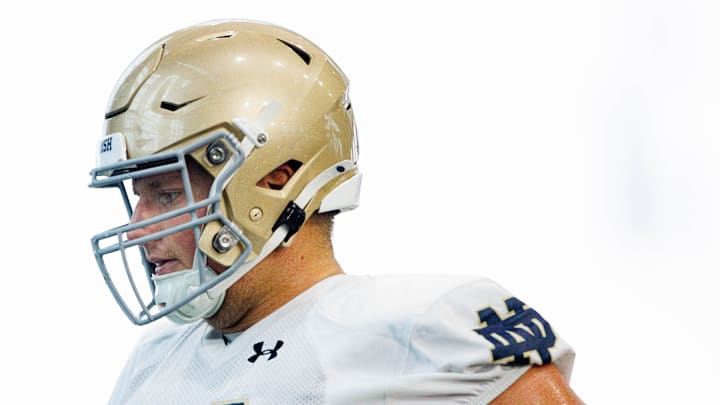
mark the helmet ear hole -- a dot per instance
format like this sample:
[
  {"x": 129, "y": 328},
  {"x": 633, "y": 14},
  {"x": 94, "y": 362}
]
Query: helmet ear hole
[{"x": 280, "y": 176}]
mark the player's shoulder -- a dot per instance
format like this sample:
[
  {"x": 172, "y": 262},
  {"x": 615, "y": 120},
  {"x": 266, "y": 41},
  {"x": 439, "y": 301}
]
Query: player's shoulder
[{"x": 447, "y": 316}]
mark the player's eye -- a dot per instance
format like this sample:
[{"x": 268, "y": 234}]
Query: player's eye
[{"x": 166, "y": 198}]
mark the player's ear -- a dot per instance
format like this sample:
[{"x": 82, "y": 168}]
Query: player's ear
[{"x": 277, "y": 178}]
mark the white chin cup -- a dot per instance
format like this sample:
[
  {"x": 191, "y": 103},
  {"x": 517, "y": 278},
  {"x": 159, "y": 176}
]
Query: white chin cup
[{"x": 172, "y": 288}]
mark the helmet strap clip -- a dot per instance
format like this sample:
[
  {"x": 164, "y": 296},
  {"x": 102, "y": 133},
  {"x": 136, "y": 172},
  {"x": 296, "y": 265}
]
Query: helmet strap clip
[{"x": 293, "y": 217}]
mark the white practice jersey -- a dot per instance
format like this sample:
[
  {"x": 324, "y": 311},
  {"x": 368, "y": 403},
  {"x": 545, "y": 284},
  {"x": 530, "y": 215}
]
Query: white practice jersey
[{"x": 352, "y": 340}]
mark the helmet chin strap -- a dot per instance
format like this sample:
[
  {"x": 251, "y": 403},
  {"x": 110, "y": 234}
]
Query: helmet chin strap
[{"x": 173, "y": 288}]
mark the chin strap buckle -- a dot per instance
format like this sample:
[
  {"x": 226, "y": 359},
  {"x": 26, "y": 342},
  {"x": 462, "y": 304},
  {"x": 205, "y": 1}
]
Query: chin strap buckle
[{"x": 293, "y": 217}]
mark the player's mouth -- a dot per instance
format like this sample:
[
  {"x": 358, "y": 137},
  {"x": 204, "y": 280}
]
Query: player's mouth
[{"x": 164, "y": 266}]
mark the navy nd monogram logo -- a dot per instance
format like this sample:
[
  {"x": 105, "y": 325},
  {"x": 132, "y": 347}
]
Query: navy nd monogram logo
[
  {"x": 272, "y": 353},
  {"x": 518, "y": 335}
]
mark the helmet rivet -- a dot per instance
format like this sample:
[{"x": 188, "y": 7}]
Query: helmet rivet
[
  {"x": 224, "y": 240},
  {"x": 262, "y": 138},
  {"x": 256, "y": 214},
  {"x": 216, "y": 153}
]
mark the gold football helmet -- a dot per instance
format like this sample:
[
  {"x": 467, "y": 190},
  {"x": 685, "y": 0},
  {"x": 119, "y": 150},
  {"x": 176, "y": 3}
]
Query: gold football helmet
[{"x": 240, "y": 99}]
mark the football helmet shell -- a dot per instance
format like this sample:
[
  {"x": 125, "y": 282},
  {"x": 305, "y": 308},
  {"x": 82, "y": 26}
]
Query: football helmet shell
[{"x": 240, "y": 98}]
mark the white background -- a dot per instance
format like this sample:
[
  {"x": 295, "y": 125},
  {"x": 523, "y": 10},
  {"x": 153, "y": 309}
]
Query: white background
[{"x": 567, "y": 149}]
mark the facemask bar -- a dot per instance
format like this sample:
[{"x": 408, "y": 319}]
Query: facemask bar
[{"x": 115, "y": 240}]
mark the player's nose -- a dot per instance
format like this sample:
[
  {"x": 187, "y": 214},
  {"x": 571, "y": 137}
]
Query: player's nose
[{"x": 140, "y": 213}]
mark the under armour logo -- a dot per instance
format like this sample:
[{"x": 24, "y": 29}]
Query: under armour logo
[
  {"x": 258, "y": 347},
  {"x": 517, "y": 335}
]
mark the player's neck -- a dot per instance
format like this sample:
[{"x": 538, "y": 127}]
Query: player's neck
[{"x": 282, "y": 276}]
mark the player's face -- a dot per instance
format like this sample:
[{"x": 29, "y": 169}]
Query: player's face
[{"x": 159, "y": 194}]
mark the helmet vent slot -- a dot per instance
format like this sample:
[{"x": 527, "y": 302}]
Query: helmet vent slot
[
  {"x": 217, "y": 35},
  {"x": 299, "y": 51},
  {"x": 170, "y": 106}
]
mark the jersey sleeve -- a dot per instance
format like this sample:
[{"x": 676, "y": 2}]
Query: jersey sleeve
[{"x": 481, "y": 338}]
